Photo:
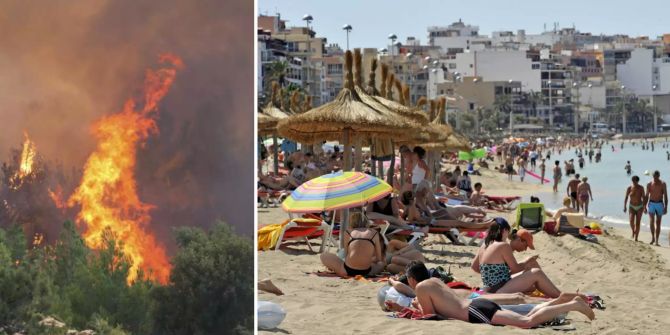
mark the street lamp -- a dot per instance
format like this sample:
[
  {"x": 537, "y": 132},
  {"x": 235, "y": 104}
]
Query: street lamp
[
  {"x": 623, "y": 116},
  {"x": 409, "y": 57},
  {"x": 392, "y": 37},
  {"x": 511, "y": 109},
  {"x": 576, "y": 85},
  {"x": 308, "y": 19},
  {"x": 653, "y": 104},
  {"x": 551, "y": 109},
  {"x": 348, "y": 28}
]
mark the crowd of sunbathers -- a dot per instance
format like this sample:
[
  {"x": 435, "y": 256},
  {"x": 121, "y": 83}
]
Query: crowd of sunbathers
[{"x": 505, "y": 281}]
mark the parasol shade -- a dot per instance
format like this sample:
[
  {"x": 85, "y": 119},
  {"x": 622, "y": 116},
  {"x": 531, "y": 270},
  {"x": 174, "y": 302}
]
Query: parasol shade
[{"x": 337, "y": 190}]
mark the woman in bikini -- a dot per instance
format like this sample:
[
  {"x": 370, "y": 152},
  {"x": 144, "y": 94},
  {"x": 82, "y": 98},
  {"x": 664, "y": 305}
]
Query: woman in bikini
[
  {"x": 362, "y": 249},
  {"x": 584, "y": 194},
  {"x": 500, "y": 271},
  {"x": 635, "y": 207}
]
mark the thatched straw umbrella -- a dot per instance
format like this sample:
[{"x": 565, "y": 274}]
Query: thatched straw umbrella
[
  {"x": 375, "y": 98},
  {"x": 268, "y": 118},
  {"x": 346, "y": 116}
]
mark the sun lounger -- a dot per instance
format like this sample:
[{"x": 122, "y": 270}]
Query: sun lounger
[
  {"x": 505, "y": 202},
  {"x": 274, "y": 197},
  {"x": 385, "y": 233},
  {"x": 466, "y": 236},
  {"x": 305, "y": 229}
]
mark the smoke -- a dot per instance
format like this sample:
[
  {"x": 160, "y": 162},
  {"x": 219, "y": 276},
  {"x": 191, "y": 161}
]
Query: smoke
[{"x": 65, "y": 64}]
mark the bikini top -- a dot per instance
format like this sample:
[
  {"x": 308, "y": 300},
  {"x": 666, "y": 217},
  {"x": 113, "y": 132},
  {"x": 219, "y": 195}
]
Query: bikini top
[{"x": 371, "y": 240}]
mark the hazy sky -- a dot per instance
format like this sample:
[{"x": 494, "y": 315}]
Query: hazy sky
[{"x": 374, "y": 20}]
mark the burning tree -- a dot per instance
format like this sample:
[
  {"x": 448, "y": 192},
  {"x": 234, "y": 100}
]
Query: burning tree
[{"x": 25, "y": 191}]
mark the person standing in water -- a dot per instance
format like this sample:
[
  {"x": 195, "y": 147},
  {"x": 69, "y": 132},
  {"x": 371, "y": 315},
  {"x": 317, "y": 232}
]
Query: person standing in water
[
  {"x": 543, "y": 168},
  {"x": 635, "y": 207},
  {"x": 572, "y": 190},
  {"x": 628, "y": 168},
  {"x": 583, "y": 195},
  {"x": 557, "y": 175},
  {"x": 657, "y": 205}
]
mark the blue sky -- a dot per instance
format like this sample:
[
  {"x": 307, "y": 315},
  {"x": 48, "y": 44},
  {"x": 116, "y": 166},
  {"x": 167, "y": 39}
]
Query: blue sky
[{"x": 373, "y": 21}]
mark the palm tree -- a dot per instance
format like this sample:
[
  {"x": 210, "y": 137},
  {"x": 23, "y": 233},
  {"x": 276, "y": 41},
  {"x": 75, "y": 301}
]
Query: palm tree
[
  {"x": 536, "y": 99},
  {"x": 277, "y": 72},
  {"x": 617, "y": 114},
  {"x": 502, "y": 105}
]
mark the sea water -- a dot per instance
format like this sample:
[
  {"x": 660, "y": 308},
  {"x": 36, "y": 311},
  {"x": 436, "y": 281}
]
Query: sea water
[{"x": 608, "y": 180}]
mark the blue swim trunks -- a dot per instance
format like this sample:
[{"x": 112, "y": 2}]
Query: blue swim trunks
[{"x": 655, "y": 208}]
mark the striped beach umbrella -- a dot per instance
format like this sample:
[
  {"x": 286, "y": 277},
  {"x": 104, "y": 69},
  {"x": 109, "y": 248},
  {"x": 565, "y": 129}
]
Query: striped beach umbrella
[{"x": 337, "y": 190}]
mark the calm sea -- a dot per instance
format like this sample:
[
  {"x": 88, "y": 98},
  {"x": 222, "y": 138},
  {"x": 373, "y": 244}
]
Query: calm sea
[{"x": 609, "y": 181}]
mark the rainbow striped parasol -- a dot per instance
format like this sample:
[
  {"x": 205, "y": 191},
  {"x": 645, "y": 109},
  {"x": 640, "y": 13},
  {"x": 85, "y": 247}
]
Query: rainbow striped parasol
[{"x": 336, "y": 191}]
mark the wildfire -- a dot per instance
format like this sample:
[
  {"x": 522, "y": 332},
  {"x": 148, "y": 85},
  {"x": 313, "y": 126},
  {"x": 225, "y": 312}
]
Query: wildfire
[
  {"x": 107, "y": 193},
  {"x": 26, "y": 163}
]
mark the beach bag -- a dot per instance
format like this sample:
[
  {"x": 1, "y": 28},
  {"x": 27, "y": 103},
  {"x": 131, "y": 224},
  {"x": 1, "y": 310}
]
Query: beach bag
[{"x": 529, "y": 216}]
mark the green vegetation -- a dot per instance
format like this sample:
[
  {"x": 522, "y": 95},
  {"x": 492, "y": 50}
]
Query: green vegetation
[{"x": 210, "y": 289}]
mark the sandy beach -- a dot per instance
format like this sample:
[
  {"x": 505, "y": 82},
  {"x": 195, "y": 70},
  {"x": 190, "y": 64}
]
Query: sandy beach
[{"x": 632, "y": 278}]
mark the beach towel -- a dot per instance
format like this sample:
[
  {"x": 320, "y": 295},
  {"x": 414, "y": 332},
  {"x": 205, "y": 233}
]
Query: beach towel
[
  {"x": 268, "y": 236},
  {"x": 375, "y": 279},
  {"x": 413, "y": 314}
]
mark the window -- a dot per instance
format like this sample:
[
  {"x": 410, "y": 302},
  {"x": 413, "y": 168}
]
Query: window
[
  {"x": 472, "y": 106},
  {"x": 535, "y": 66},
  {"x": 452, "y": 65},
  {"x": 471, "y": 66}
]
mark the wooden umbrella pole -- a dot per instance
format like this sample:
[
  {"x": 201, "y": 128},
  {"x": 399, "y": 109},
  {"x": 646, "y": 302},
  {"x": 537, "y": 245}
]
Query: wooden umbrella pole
[
  {"x": 380, "y": 166},
  {"x": 275, "y": 153},
  {"x": 347, "y": 167},
  {"x": 358, "y": 155},
  {"x": 402, "y": 170},
  {"x": 392, "y": 167}
]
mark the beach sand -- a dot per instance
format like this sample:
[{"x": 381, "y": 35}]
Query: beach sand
[{"x": 633, "y": 279}]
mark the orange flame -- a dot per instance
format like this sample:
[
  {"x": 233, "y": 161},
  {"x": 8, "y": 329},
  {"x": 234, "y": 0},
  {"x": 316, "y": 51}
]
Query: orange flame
[
  {"x": 107, "y": 193},
  {"x": 28, "y": 154},
  {"x": 27, "y": 157},
  {"x": 57, "y": 197}
]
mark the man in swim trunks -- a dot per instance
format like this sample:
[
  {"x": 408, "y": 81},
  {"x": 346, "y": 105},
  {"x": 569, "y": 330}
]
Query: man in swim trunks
[
  {"x": 583, "y": 196},
  {"x": 657, "y": 205},
  {"x": 628, "y": 168},
  {"x": 636, "y": 194},
  {"x": 434, "y": 297},
  {"x": 572, "y": 190}
]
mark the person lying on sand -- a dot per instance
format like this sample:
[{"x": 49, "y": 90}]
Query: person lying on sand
[
  {"x": 501, "y": 272},
  {"x": 399, "y": 254},
  {"x": 433, "y": 297},
  {"x": 362, "y": 249},
  {"x": 479, "y": 199},
  {"x": 387, "y": 209},
  {"x": 413, "y": 213},
  {"x": 469, "y": 293},
  {"x": 289, "y": 182}
]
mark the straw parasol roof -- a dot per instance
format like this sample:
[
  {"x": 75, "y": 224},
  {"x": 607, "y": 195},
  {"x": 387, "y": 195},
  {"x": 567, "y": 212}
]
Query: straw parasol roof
[
  {"x": 269, "y": 116},
  {"x": 346, "y": 112},
  {"x": 447, "y": 137},
  {"x": 373, "y": 97},
  {"x": 435, "y": 131},
  {"x": 457, "y": 142}
]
